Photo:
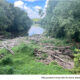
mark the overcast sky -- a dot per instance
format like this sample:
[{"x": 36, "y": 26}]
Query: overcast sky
[{"x": 30, "y": 6}]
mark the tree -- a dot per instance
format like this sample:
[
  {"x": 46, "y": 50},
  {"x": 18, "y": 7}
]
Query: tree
[
  {"x": 13, "y": 20},
  {"x": 41, "y": 13},
  {"x": 63, "y": 19}
]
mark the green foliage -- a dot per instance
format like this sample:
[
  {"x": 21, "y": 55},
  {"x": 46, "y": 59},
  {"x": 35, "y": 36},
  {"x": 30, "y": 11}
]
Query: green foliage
[
  {"x": 13, "y": 20},
  {"x": 44, "y": 56},
  {"x": 77, "y": 61},
  {"x": 6, "y": 70},
  {"x": 77, "y": 50},
  {"x": 10, "y": 70},
  {"x": 63, "y": 19},
  {"x": 36, "y": 19},
  {"x": 24, "y": 62},
  {"x": 7, "y": 60},
  {"x": 54, "y": 62},
  {"x": 41, "y": 12},
  {"x": 56, "y": 41}
]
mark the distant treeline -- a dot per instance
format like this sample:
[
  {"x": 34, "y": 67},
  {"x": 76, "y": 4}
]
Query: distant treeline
[
  {"x": 62, "y": 19},
  {"x": 13, "y": 20}
]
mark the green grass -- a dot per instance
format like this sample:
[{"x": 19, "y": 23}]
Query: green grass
[
  {"x": 24, "y": 62},
  {"x": 55, "y": 41}
]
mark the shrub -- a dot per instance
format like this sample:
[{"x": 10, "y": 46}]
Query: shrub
[
  {"x": 10, "y": 70},
  {"x": 77, "y": 61},
  {"x": 6, "y": 70},
  {"x": 7, "y": 61}
]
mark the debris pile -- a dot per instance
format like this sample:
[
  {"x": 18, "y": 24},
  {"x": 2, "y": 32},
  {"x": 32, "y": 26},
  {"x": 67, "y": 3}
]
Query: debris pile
[{"x": 62, "y": 55}]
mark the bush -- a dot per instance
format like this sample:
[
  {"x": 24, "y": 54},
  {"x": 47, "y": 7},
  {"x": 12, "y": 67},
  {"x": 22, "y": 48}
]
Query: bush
[
  {"x": 10, "y": 70},
  {"x": 13, "y": 21},
  {"x": 77, "y": 61},
  {"x": 62, "y": 19},
  {"x": 7, "y": 61},
  {"x": 6, "y": 70}
]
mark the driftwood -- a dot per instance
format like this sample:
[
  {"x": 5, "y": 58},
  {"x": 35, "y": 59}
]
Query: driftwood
[
  {"x": 38, "y": 52},
  {"x": 52, "y": 53},
  {"x": 8, "y": 49},
  {"x": 60, "y": 59}
]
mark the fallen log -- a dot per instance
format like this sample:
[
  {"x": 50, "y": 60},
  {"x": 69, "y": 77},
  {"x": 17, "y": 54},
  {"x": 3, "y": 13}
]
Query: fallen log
[
  {"x": 60, "y": 59},
  {"x": 8, "y": 49}
]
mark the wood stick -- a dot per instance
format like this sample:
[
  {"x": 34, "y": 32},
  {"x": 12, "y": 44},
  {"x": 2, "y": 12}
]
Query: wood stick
[
  {"x": 8, "y": 49},
  {"x": 60, "y": 59}
]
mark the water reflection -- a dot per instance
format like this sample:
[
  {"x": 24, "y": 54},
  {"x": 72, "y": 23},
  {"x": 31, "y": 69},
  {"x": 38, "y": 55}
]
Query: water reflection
[{"x": 35, "y": 29}]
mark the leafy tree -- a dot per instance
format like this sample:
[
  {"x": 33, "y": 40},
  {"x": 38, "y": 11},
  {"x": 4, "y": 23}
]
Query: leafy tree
[
  {"x": 63, "y": 19},
  {"x": 41, "y": 13},
  {"x": 13, "y": 20}
]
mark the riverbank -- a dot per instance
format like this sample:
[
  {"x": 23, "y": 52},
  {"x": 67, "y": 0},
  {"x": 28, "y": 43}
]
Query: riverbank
[{"x": 34, "y": 52}]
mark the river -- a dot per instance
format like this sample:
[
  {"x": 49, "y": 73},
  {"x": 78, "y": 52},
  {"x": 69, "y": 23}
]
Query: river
[{"x": 35, "y": 29}]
